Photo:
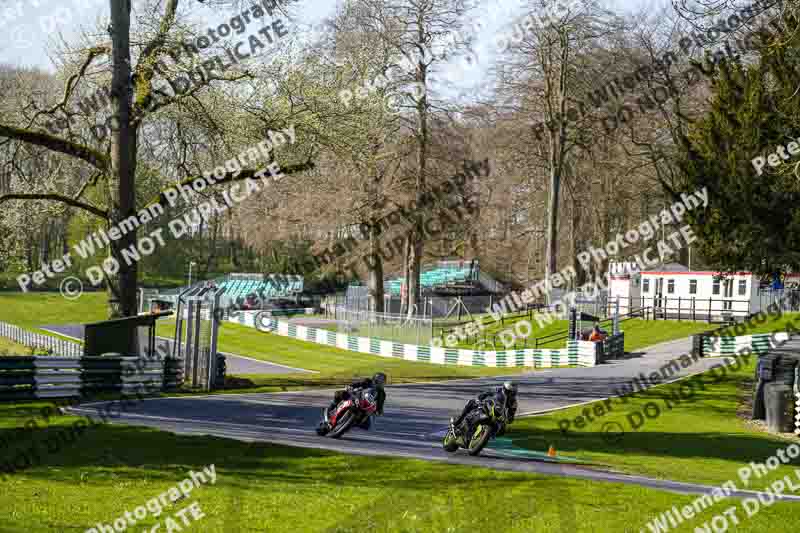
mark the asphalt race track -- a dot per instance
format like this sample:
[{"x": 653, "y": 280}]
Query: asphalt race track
[{"x": 415, "y": 416}]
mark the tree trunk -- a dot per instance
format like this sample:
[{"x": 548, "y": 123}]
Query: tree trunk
[
  {"x": 575, "y": 247},
  {"x": 375, "y": 279},
  {"x": 404, "y": 297},
  {"x": 552, "y": 228},
  {"x": 122, "y": 182},
  {"x": 414, "y": 271},
  {"x": 415, "y": 236}
]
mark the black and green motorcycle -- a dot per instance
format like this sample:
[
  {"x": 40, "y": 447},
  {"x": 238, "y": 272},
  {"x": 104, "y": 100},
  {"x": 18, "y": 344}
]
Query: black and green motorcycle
[{"x": 484, "y": 422}]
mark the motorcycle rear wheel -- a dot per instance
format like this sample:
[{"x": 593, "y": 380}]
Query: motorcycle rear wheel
[
  {"x": 479, "y": 439},
  {"x": 342, "y": 426}
]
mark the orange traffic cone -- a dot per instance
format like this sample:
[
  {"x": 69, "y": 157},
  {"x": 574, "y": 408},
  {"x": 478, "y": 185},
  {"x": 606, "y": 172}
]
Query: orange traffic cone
[{"x": 551, "y": 452}]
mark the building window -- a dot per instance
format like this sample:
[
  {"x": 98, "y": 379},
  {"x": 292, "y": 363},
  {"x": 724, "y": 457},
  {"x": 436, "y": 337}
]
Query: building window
[
  {"x": 715, "y": 289},
  {"x": 692, "y": 286},
  {"x": 671, "y": 286},
  {"x": 645, "y": 285},
  {"x": 742, "y": 287}
]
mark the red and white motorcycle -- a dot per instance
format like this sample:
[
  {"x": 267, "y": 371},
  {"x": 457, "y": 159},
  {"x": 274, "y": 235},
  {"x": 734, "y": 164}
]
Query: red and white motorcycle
[{"x": 353, "y": 411}]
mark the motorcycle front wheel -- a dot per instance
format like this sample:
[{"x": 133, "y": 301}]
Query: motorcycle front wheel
[
  {"x": 342, "y": 426},
  {"x": 449, "y": 442},
  {"x": 479, "y": 439}
]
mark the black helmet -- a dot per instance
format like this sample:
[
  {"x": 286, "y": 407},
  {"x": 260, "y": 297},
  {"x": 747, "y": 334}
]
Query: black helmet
[
  {"x": 379, "y": 379},
  {"x": 510, "y": 388}
]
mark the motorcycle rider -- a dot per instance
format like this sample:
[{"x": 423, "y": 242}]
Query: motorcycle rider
[
  {"x": 505, "y": 396},
  {"x": 377, "y": 382}
]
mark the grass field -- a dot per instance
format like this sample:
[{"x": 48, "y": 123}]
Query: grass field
[
  {"x": 638, "y": 333},
  {"x": 334, "y": 366},
  {"x": 769, "y": 325},
  {"x": 109, "y": 470},
  {"x": 41, "y": 309},
  {"x": 698, "y": 439},
  {"x": 112, "y": 469},
  {"x": 8, "y": 347}
]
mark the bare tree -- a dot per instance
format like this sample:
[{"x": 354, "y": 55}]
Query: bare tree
[{"x": 134, "y": 100}]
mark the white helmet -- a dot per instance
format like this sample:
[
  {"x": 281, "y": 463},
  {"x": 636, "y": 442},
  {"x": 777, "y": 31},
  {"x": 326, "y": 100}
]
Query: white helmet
[{"x": 510, "y": 388}]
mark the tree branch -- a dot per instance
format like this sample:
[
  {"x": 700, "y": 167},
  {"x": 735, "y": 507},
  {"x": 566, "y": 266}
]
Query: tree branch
[
  {"x": 56, "y": 144},
  {"x": 230, "y": 178},
  {"x": 72, "y": 82},
  {"x": 56, "y": 198}
]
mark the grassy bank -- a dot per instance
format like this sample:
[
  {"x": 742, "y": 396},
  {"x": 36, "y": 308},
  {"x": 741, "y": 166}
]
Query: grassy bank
[
  {"x": 32, "y": 310},
  {"x": 764, "y": 324},
  {"x": 334, "y": 366},
  {"x": 8, "y": 347},
  {"x": 638, "y": 333},
  {"x": 699, "y": 438},
  {"x": 261, "y": 487}
]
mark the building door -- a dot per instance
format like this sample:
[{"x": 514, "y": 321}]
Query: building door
[
  {"x": 727, "y": 294},
  {"x": 659, "y": 293}
]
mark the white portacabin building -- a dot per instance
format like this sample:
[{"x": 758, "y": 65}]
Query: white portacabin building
[{"x": 675, "y": 291}]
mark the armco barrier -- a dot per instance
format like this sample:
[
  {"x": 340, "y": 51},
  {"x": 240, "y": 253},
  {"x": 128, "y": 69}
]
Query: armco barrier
[
  {"x": 577, "y": 353},
  {"x": 758, "y": 343},
  {"x": 28, "y": 378}
]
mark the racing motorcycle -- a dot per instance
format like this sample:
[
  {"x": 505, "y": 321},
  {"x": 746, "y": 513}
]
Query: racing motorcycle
[
  {"x": 355, "y": 411},
  {"x": 484, "y": 422}
]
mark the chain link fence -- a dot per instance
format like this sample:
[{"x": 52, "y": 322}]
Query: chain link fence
[{"x": 386, "y": 326}]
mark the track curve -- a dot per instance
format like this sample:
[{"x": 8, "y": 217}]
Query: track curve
[{"x": 415, "y": 416}]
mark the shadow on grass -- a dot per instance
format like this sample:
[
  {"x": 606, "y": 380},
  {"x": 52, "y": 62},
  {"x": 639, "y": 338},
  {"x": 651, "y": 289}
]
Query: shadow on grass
[
  {"x": 119, "y": 454},
  {"x": 667, "y": 434},
  {"x": 703, "y": 445}
]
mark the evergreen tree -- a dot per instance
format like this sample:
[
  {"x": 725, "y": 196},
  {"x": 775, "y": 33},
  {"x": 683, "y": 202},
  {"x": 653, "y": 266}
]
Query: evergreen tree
[{"x": 752, "y": 221}]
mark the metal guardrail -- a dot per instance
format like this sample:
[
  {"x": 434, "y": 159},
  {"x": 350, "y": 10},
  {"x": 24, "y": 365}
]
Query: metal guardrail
[
  {"x": 53, "y": 345},
  {"x": 28, "y": 378}
]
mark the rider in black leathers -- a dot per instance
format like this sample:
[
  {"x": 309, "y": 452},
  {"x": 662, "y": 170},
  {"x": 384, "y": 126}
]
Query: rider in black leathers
[
  {"x": 377, "y": 382},
  {"x": 504, "y": 396}
]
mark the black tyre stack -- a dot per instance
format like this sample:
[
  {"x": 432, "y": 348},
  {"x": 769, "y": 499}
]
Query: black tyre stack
[{"x": 774, "y": 395}]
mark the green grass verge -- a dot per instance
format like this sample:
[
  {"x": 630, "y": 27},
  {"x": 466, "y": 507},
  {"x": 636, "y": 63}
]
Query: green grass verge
[
  {"x": 334, "y": 366},
  {"x": 32, "y": 310},
  {"x": 763, "y": 324},
  {"x": 384, "y": 332},
  {"x": 8, "y": 347},
  {"x": 111, "y": 469},
  {"x": 643, "y": 333},
  {"x": 700, "y": 439},
  {"x": 638, "y": 333}
]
